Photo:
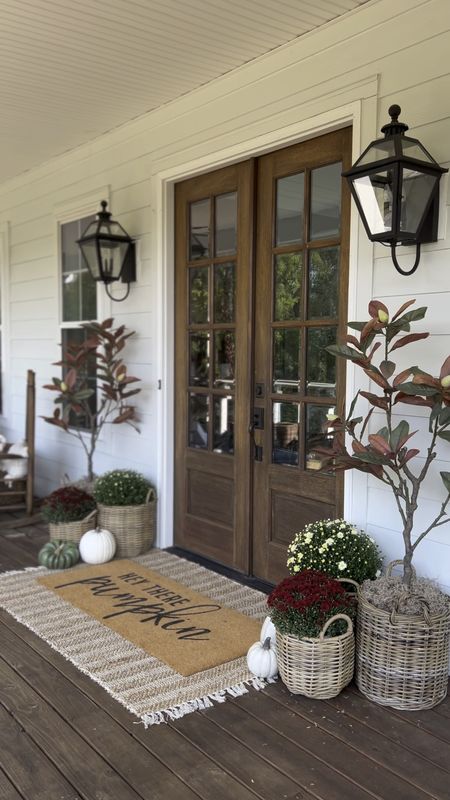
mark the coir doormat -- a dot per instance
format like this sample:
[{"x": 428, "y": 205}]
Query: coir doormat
[
  {"x": 145, "y": 684},
  {"x": 169, "y": 620}
]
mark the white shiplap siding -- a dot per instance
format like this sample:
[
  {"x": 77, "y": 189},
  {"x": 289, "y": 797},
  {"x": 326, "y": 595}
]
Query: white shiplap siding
[{"x": 382, "y": 53}]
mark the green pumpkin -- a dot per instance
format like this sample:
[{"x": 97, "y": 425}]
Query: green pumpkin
[{"x": 58, "y": 554}]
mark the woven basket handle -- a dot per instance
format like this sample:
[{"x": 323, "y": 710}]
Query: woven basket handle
[
  {"x": 349, "y": 580},
  {"x": 334, "y": 619},
  {"x": 397, "y": 562},
  {"x": 425, "y": 610},
  {"x": 91, "y": 515},
  {"x": 151, "y": 495}
]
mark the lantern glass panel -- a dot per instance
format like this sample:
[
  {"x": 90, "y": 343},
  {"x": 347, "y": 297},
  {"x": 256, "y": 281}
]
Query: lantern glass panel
[
  {"x": 413, "y": 149},
  {"x": 417, "y": 188},
  {"x": 374, "y": 193},
  {"x": 384, "y": 148},
  {"x": 89, "y": 250},
  {"x": 112, "y": 256}
]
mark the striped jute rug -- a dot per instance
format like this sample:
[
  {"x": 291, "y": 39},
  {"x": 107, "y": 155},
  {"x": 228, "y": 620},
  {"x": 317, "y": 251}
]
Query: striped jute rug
[{"x": 147, "y": 687}]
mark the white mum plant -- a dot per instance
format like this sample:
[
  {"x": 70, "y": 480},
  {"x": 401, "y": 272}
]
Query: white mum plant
[{"x": 337, "y": 548}]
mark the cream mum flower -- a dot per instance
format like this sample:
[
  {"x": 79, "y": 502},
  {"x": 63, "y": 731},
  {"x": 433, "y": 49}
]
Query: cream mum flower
[{"x": 342, "y": 565}]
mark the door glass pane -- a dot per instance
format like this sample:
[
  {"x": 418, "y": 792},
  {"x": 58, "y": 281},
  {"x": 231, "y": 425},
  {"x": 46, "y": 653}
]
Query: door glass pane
[
  {"x": 319, "y": 434},
  {"x": 286, "y": 360},
  {"x": 325, "y": 201},
  {"x": 199, "y": 359},
  {"x": 223, "y": 425},
  {"x": 224, "y": 358},
  {"x": 224, "y": 292},
  {"x": 321, "y": 365},
  {"x": 285, "y": 428},
  {"x": 198, "y": 295},
  {"x": 323, "y": 282},
  {"x": 287, "y": 286},
  {"x": 226, "y": 224},
  {"x": 290, "y": 209},
  {"x": 198, "y": 421},
  {"x": 199, "y": 229}
]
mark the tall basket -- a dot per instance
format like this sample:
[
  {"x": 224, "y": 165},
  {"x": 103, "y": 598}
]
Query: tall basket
[
  {"x": 402, "y": 660},
  {"x": 133, "y": 527},
  {"x": 318, "y": 668}
]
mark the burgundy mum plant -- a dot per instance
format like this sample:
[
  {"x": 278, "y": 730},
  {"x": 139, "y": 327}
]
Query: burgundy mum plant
[
  {"x": 95, "y": 389},
  {"x": 388, "y": 453}
]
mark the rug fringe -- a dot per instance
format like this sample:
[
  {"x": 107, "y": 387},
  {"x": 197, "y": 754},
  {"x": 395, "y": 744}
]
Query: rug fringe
[{"x": 200, "y": 703}]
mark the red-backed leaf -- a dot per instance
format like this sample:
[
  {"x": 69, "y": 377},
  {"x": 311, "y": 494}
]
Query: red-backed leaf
[
  {"x": 118, "y": 333},
  {"x": 401, "y": 377},
  {"x": 136, "y": 391},
  {"x": 413, "y": 400},
  {"x": 52, "y": 387},
  {"x": 71, "y": 378},
  {"x": 424, "y": 379},
  {"x": 126, "y": 415},
  {"x": 57, "y": 413},
  {"x": 387, "y": 369},
  {"x": 368, "y": 328},
  {"x": 379, "y": 444},
  {"x": 353, "y": 340},
  {"x": 377, "y": 378},
  {"x": 411, "y": 337},
  {"x": 358, "y": 447},
  {"x": 374, "y": 349},
  {"x": 129, "y": 379},
  {"x": 445, "y": 369},
  {"x": 409, "y": 455},
  {"x": 107, "y": 323},
  {"x": 375, "y": 306},
  {"x": 402, "y": 309},
  {"x": 378, "y": 402}
]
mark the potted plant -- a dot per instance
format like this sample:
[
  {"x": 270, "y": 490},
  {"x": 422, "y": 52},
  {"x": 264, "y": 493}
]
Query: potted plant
[
  {"x": 403, "y": 622},
  {"x": 126, "y": 506},
  {"x": 337, "y": 548},
  {"x": 313, "y": 617},
  {"x": 69, "y": 512},
  {"x": 101, "y": 355}
]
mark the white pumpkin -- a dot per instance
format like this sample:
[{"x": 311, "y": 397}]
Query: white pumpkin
[
  {"x": 262, "y": 659},
  {"x": 268, "y": 629},
  {"x": 97, "y": 546}
]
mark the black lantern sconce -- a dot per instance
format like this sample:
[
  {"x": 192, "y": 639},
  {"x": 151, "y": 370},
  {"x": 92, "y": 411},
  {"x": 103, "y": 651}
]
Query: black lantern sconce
[
  {"x": 108, "y": 251},
  {"x": 395, "y": 184}
]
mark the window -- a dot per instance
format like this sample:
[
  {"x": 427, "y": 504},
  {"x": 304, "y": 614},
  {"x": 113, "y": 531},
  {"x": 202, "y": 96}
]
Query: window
[{"x": 78, "y": 298}]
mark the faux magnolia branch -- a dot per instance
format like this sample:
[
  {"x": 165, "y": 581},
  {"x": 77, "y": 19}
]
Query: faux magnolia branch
[
  {"x": 386, "y": 454},
  {"x": 98, "y": 357}
]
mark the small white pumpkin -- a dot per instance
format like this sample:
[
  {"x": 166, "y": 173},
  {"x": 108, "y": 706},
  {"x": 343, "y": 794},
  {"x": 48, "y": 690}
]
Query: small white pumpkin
[
  {"x": 262, "y": 659},
  {"x": 268, "y": 629},
  {"x": 97, "y": 546}
]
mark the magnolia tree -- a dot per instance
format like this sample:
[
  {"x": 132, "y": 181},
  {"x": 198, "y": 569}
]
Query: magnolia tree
[
  {"x": 387, "y": 454},
  {"x": 95, "y": 387}
]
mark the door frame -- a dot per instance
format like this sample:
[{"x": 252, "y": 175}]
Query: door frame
[{"x": 163, "y": 256}]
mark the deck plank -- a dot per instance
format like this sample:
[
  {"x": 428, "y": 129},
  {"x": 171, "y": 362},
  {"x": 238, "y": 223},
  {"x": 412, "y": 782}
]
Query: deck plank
[{"x": 56, "y": 723}]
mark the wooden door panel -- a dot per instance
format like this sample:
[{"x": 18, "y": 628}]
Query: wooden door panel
[
  {"x": 300, "y": 306},
  {"x": 214, "y": 240}
]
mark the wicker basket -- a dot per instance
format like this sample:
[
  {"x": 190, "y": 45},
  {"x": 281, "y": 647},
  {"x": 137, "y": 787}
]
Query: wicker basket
[
  {"x": 318, "y": 668},
  {"x": 71, "y": 531},
  {"x": 133, "y": 526},
  {"x": 402, "y": 661}
]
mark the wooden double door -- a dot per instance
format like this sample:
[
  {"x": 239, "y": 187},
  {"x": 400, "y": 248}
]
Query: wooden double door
[{"x": 261, "y": 290}]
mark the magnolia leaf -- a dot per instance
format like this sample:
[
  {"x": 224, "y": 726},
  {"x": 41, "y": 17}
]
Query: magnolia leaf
[
  {"x": 71, "y": 378},
  {"x": 107, "y": 323},
  {"x": 445, "y": 369},
  {"x": 353, "y": 340},
  {"x": 399, "y": 435},
  {"x": 372, "y": 458},
  {"x": 374, "y": 349},
  {"x": 83, "y": 394},
  {"x": 402, "y": 309},
  {"x": 411, "y": 337},
  {"x": 416, "y": 388},
  {"x": 356, "y": 326},
  {"x": 368, "y": 328},
  {"x": 413, "y": 400},
  {"x": 444, "y": 435},
  {"x": 409, "y": 455},
  {"x": 352, "y": 405},
  {"x": 446, "y": 480},
  {"x": 130, "y": 394},
  {"x": 402, "y": 375},
  {"x": 344, "y": 351},
  {"x": 375, "y": 306},
  {"x": 379, "y": 444},
  {"x": 444, "y": 416},
  {"x": 412, "y": 316},
  {"x": 377, "y": 377},
  {"x": 126, "y": 415},
  {"x": 52, "y": 387},
  {"x": 387, "y": 369},
  {"x": 358, "y": 447},
  {"x": 378, "y": 402}
]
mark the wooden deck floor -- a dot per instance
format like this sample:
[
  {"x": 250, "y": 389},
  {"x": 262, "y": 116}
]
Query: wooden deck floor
[{"x": 63, "y": 738}]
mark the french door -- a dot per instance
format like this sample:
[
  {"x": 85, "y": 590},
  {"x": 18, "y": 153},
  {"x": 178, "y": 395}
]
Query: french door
[{"x": 261, "y": 290}]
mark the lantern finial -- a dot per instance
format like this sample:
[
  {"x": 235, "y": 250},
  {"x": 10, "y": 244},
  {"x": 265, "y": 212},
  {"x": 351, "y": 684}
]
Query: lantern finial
[{"x": 394, "y": 126}]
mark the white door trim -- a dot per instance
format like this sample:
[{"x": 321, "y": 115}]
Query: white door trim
[{"x": 363, "y": 110}]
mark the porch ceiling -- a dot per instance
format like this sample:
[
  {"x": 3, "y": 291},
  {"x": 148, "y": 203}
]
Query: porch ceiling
[{"x": 72, "y": 71}]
